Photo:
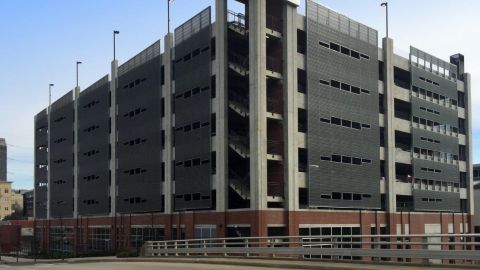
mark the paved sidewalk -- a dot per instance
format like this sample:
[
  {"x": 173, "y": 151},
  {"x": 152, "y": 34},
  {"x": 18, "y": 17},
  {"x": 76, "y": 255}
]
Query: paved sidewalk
[{"x": 252, "y": 262}]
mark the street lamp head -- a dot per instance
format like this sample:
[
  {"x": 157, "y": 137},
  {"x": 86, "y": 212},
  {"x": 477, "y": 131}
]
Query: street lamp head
[
  {"x": 78, "y": 62},
  {"x": 115, "y": 32},
  {"x": 51, "y": 84},
  {"x": 384, "y": 4}
]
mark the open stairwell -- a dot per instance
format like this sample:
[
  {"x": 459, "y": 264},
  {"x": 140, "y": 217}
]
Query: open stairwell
[
  {"x": 239, "y": 184},
  {"x": 238, "y": 103},
  {"x": 239, "y": 144}
]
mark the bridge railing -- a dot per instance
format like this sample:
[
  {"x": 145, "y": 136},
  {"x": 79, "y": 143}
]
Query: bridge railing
[{"x": 418, "y": 248}]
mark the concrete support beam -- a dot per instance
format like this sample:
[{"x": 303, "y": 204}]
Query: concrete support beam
[
  {"x": 76, "y": 94},
  {"x": 167, "y": 93},
  {"x": 290, "y": 118},
  {"x": 467, "y": 78},
  {"x": 389, "y": 105},
  {"x": 220, "y": 70},
  {"x": 113, "y": 136},
  {"x": 35, "y": 170},
  {"x": 258, "y": 96}
]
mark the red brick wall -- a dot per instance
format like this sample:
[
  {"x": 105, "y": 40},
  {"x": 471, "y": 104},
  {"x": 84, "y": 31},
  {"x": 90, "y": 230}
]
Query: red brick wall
[
  {"x": 259, "y": 221},
  {"x": 9, "y": 238}
]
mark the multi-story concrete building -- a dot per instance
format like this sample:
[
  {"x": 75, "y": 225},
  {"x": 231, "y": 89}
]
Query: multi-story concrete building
[
  {"x": 264, "y": 122},
  {"x": 3, "y": 160}
]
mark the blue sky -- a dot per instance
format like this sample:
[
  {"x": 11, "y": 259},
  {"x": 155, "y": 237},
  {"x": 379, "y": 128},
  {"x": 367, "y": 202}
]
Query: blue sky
[{"x": 40, "y": 41}]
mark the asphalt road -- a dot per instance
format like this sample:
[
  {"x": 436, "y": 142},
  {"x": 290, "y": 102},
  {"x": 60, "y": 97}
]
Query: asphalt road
[{"x": 132, "y": 266}]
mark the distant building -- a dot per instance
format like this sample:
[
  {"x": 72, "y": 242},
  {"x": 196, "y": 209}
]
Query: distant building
[
  {"x": 476, "y": 196},
  {"x": 3, "y": 160},
  {"x": 28, "y": 203},
  {"x": 5, "y": 199},
  {"x": 17, "y": 202}
]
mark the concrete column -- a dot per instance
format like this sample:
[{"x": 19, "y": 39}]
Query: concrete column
[
  {"x": 49, "y": 143},
  {"x": 467, "y": 78},
  {"x": 34, "y": 174},
  {"x": 220, "y": 70},
  {"x": 290, "y": 118},
  {"x": 113, "y": 136},
  {"x": 258, "y": 105},
  {"x": 76, "y": 94},
  {"x": 389, "y": 113},
  {"x": 167, "y": 90}
]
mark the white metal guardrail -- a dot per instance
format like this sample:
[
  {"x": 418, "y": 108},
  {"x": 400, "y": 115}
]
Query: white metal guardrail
[{"x": 417, "y": 248}]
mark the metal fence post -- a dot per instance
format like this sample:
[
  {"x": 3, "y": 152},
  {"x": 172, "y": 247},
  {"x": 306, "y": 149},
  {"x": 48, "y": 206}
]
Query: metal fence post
[{"x": 224, "y": 247}]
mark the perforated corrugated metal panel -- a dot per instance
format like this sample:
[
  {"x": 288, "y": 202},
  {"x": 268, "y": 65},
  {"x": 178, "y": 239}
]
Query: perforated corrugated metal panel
[
  {"x": 430, "y": 63},
  {"x": 323, "y": 101},
  {"x": 193, "y": 26},
  {"x": 101, "y": 82},
  {"x": 449, "y": 172},
  {"x": 61, "y": 175},
  {"x": 144, "y": 56},
  {"x": 443, "y": 201},
  {"x": 93, "y": 149},
  {"x": 445, "y": 116},
  {"x": 193, "y": 72},
  {"x": 41, "y": 160},
  {"x": 139, "y": 179},
  {"x": 447, "y": 144},
  {"x": 428, "y": 73},
  {"x": 340, "y": 23}
]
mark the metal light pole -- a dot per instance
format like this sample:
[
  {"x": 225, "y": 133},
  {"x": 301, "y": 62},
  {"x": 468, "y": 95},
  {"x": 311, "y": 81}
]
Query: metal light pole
[
  {"x": 115, "y": 32},
  {"x": 385, "y": 4},
  {"x": 50, "y": 96},
  {"x": 168, "y": 13},
  {"x": 78, "y": 63}
]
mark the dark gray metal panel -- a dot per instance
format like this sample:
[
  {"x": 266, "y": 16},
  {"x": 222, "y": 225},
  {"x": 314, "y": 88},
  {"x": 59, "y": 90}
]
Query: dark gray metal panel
[
  {"x": 3, "y": 160},
  {"x": 445, "y": 116},
  {"x": 428, "y": 74},
  {"x": 61, "y": 157},
  {"x": 193, "y": 72},
  {"x": 448, "y": 144},
  {"x": 448, "y": 172},
  {"x": 434, "y": 69},
  {"x": 437, "y": 201},
  {"x": 93, "y": 149},
  {"x": 324, "y": 101},
  {"x": 139, "y": 124},
  {"x": 41, "y": 163}
]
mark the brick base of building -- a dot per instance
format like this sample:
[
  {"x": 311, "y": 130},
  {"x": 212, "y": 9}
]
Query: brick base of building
[{"x": 254, "y": 224}]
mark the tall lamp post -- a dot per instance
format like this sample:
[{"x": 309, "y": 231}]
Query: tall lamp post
[
  {"x": 385, "y": 4},
  {"x": 115, "y": 32},
  {"x": 168, "y": 13},
  {"x": 78, "y": 63},
  {"x": 50, "y": 96}
]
